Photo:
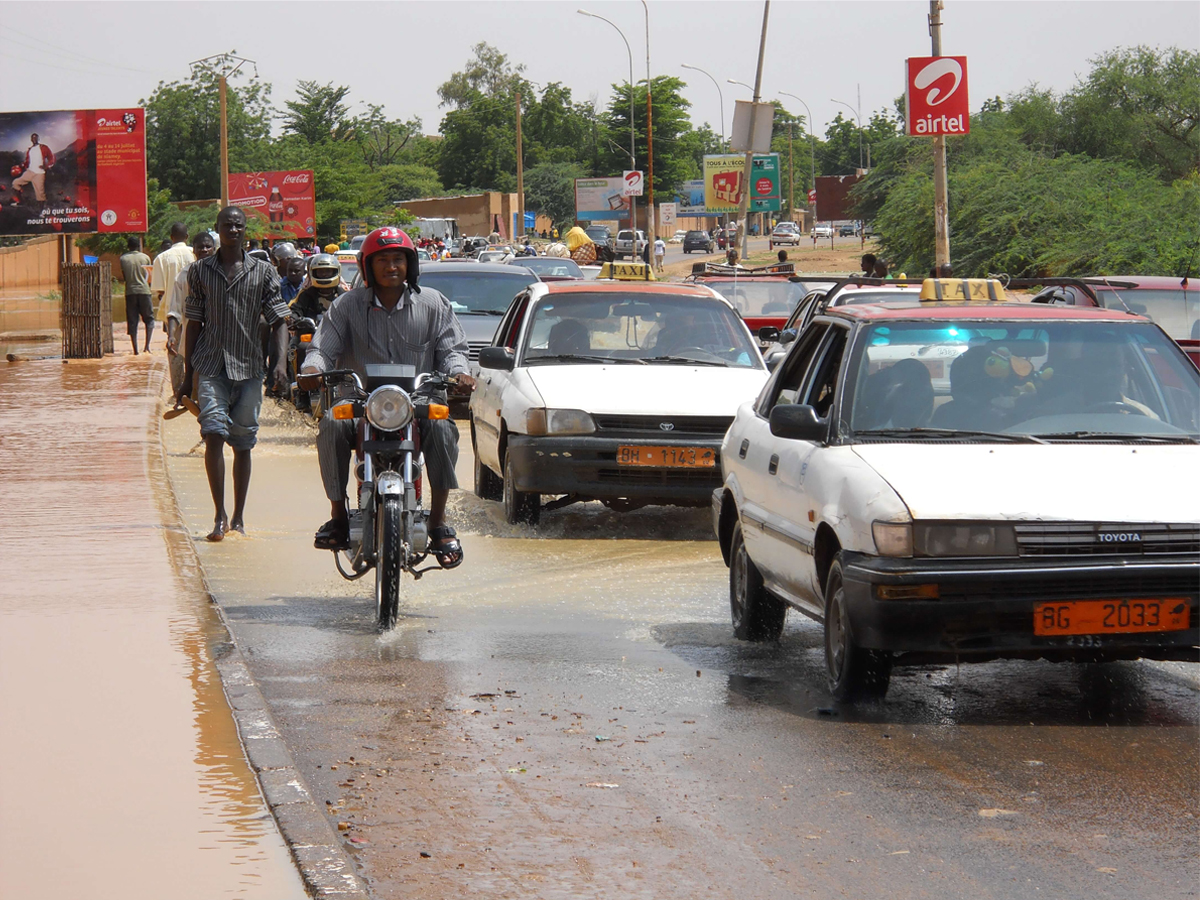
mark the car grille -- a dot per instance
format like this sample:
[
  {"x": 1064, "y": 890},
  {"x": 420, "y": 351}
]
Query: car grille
[
  {"x": 473, "y": 348},
  {"x": 681, "y": 426},
  {"x": 1087, "y": 539},
  {"x": 630, "y": 475},
  {"x": 1071, "y": 587}
]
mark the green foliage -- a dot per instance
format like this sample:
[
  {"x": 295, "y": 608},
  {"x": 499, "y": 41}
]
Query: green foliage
[
  {"x": 550, "y": 189},
  {"x": 318, "y": 114},
  {"x": 675, "y": 148},
  {"x": 488, "y": 73}
]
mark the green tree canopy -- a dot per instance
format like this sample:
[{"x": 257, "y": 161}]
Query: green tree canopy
[{"x": 318, "y": 113}]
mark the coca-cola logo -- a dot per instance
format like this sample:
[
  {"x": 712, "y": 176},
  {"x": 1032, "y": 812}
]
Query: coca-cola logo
[
  {"x": 296, "y": 178},
  {"x": 297, "y": 183}
]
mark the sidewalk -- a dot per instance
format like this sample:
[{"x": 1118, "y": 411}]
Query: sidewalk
[{"x": 121, "y": 770}]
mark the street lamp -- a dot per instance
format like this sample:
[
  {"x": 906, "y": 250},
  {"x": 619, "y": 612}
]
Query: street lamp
[
  {"x": 811, "y": 140},
  {"x": 724, "y": 147},
  {"x": 650, "y": 216},
  {"x": 632, "y": 153},
  {"x": 858, "y": 119}
]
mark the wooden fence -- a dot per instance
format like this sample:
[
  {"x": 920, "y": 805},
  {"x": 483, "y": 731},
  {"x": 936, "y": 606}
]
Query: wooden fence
[{"x": 86, "y": 311}]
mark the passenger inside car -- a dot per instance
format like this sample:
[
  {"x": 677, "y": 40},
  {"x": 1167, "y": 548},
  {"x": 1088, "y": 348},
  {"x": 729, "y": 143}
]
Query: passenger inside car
[
  {"x": 972, "y": 391},
  {"x": 567, "y": 337},
  {"x": 900, "y": 396}
]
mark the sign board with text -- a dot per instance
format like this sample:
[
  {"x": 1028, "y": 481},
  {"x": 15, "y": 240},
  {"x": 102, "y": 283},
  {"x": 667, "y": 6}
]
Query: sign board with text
[
  {"x": 724, "y": 183},
  {"x": 282, "y": 201},
  {"x": 600, "y": 199},
  {"x": 634, "y": 183},
  {"x": 667, "y": 214},
  {"x": 73, "y": 171},
  {"x": 691, "y": 198},
  {"x": 935, "y": 96}
]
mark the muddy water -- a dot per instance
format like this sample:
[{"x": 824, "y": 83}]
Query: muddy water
[{"x": 121, "y": 773}]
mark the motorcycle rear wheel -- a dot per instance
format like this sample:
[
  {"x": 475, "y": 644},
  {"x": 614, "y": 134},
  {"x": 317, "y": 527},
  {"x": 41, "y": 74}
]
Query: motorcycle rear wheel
[{"x": 388, "y": 570}]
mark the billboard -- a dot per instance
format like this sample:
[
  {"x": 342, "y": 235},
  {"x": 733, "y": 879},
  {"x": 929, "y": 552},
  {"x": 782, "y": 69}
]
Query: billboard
[
  {"x": 724, "y": 183},
  {"x": 935, "y": 96},
  {"x": 600, "y": 199},
  {"x": 691, "y": 198},
  {"x": 283, "y": 201},
  {"x": 73, "y": 171},
  {"x": 667, "y": 213},
  {"x": 833, "y": 197}
]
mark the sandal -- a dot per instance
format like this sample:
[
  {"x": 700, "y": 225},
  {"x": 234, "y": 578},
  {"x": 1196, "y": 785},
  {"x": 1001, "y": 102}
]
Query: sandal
[
  {"x": 445, "y": 547},
  {"x": 333, "y": 535}
]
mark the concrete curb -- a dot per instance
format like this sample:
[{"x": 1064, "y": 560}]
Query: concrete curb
[{"x": 324, "y": 867}]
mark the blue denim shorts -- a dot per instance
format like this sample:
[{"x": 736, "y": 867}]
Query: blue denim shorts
[{"x": 230, "y": 409}]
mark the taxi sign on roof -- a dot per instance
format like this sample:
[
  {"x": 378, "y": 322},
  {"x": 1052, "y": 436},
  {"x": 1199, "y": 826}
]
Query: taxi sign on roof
[
  {"x": 634, "y": 271},
  {"x": 963, "y": 289}
]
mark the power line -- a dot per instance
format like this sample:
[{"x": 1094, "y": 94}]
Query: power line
[
  {"x": 54, "y": 64},
  {"x": 78, "y": 56}
]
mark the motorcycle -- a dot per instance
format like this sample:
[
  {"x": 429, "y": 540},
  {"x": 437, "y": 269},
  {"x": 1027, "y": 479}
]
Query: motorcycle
[
  {"x": 389, "y": 530},
  {"x": 301, "y": 331}
]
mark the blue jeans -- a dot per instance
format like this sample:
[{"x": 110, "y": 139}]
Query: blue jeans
[{"x": 230, "y": 409}]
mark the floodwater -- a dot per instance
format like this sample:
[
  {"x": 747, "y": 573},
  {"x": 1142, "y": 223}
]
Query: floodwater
[{"x": 121, "y": 771}]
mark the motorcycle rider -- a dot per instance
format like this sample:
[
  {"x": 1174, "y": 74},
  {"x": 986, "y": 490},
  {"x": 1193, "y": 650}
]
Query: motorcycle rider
[
  {"x": 325, "y": 286},
  {"x": 389, "y": 319}
]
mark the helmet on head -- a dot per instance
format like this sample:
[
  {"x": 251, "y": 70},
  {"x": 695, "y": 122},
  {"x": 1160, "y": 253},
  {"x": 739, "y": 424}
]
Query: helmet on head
[
  {"x": 283, "y": 251},
  {"x": 324, "y": 271},
  {"x": 388, "y": 238},
  {"x": 331, "y": 248}
]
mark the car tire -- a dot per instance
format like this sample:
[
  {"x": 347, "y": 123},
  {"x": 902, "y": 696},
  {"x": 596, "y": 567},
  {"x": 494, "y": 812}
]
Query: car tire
[
  {"x": 488, "y": 485},
  {"x": 520, "y": 508},
  {"x": 757, "y": 614},
  {"x": 852, "y": 672}
]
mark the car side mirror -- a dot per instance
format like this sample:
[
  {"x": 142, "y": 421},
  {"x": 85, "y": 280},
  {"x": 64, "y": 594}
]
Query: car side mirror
[
  {"x": 768, "y": 334},
  {"x": 797, "y": 422},
  {"x": 774, "y": 360},
  {"x": 787, "y": 336},
  {"x": 501, "y": 358}
]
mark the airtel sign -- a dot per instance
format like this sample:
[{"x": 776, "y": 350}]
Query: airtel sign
[{"x": 935, "y": 96}]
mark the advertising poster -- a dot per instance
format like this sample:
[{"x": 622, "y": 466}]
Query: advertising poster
[
  {"x": 691, "y": 198},
  {"x": 283, "y": 201},
  {"x": 935, "y": 96},
  {"x": 833, "y": 197},
  {"x": 724, "y": 183},
  {"x": 667, "y": 214},
  {"x": 73, "y": 171},
  {"x": 599, "y": 199}
]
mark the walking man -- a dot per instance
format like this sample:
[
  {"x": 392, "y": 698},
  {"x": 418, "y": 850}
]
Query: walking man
[
  {"x": 226, "y": 295},
  {"x": 167, "y": 266},
  {"x": 137, "y": 291},
  {"x": 660, "y": 252},
  {"x": 202, "y": 248},
  {"x": 38, "y": 160}
]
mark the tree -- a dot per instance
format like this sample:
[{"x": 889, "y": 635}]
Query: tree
[
  {"x": 550, "y": 189},
  {"x": 318, "y": 114},
  {"x": 488, "y": 72},
  {"x": 674, "y": 154},
  {"x": 381, "y": 140}
]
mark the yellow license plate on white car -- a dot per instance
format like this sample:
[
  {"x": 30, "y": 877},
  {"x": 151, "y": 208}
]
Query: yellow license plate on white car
[{"x": 667, "y": 457}]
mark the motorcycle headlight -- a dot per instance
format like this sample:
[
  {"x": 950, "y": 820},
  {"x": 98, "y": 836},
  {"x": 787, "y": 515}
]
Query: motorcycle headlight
[
  {"x": 558, "y": 421},
  {"x": 964, "y": 539},
  {"x": 389, "y": 408}
]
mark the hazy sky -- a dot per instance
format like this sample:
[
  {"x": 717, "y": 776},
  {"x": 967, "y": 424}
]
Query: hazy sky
[{"x": 60, "y": 55}]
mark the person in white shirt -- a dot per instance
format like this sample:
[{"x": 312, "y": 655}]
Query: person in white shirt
[
  {"x": 660, "y": 251},
  {"x": 38, "y": 160},
  {"x": 167, "y": 266},
  {"x": 203, "y": 246}
]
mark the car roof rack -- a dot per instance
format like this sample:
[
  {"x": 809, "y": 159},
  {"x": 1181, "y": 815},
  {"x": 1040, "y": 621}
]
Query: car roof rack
[{"x": 711, "y": 268}]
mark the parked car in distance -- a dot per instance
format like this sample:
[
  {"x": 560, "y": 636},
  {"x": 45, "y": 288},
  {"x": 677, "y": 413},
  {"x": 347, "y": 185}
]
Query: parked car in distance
[
  {"x": 822, "y": 231},
  {"x": 495, "y": 254},
  {"x": 599, "y": 234},
  {"x": 698, "y": 240},
  {"x": 921, "y": 478},
  {"x": 625, "y": 244},
  {"x": 550, "y": 268},
  {"x": 784, "y": 233},
  {"x": 847, "y": 229}
]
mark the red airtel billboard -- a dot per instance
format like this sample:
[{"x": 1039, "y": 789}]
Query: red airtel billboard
[
  {"x": 935, "y": 96},
  {"x": 283, "y": 201}
]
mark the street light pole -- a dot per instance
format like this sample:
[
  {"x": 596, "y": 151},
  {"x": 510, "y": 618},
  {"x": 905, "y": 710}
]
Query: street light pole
[
  {"x": 225, "y": 60},
  {"x": 748, "y": 167},
  {"x": 721, "y": 97},
  {"x": 651, "y": 217},
  {"x": 858, "y": 121},
  {"x": 520, "y": 171},
  {"x": 811, "y": 142},
  {"x": 941, "y": 208},
  {"x": 632, "y": 147}
]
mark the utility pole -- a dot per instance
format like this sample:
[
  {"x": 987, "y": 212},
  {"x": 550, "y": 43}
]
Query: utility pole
[
  {"x": 225, "y": 61},
  {"x": 520, "y": 172},
  {"x": 941, "y": 212},
  {"x": 650, "y": 211},
  {"x": 791, "y": 177},
  {"x": 748, "y": 171}
]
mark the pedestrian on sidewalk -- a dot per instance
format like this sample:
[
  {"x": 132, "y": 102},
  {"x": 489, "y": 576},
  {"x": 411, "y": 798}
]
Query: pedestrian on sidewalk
[
  {"x": 660, "y": 251},
  {"x": 226, "y": 295},
  {"x": 202, "y": 248},
  {"x": 167, "y": 266},
  {"x": 137, "y": 291}
]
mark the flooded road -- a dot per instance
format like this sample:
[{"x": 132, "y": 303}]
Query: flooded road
[
  {"x": 121, "y": 771},
  {"x": 568, "y": 715}
]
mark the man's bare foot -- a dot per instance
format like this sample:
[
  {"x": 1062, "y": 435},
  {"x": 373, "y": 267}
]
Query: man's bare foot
[
  {"x": 220, "y": 527},
  {"x": 239, "y": 527}
]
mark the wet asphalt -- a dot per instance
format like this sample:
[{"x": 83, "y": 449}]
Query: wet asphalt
[{"x": 568, "y": 715}]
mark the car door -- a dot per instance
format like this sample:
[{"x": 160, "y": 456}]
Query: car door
[
  {"x": 790, "y": 507},
  {"x": 758, "y": 458},
  {"x": 492, "y": 383}
]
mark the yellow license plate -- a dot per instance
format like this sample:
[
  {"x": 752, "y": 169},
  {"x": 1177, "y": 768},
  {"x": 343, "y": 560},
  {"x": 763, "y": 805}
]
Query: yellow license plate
[
  {"x": 1109, "y": 616},
  {"x": 668, "y": 457}
]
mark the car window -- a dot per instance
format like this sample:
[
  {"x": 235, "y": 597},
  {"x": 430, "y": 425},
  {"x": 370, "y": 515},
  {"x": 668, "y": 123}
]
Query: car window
[
  {"x": 761, "y": 297},
  {"x": 785, "y": 386},
  {"x": 1175, "y": 310},
  {"x": 821, "y": 385},
  {"x": 510, "y": 325},
  {"x": 477, "y": 293}
]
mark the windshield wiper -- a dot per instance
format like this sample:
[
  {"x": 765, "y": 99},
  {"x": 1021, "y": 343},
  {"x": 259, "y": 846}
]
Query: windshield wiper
[
  {"x": 574, "y": 357},
  {"x": 1116, "y": 436},
  {"x": 953, "y": 433},
  {"x": 687, "y": 360},
  {"x": 481, "y": 312}
]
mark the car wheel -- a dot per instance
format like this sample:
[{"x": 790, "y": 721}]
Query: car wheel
[
  {"x": 520, "y": 508},
  {"x": 488, "y": 485},
  {"x": 757, "y": 614},
  {"x": 852, "y": 672}
]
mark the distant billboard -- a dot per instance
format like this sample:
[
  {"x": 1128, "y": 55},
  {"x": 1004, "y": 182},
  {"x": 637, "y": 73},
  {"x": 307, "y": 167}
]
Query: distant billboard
[
  {"x": 600, "y": 199},
  {"x": 724, "y": 183},
  {"x": 73, "y": 171},
  {"x": 283, "y": 201},
  {"x": 691, "y": 198},
  {"x": 833, "y": 200}
]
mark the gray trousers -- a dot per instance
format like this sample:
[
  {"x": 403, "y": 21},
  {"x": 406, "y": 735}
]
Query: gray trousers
[{"x": 336, "y": 440}]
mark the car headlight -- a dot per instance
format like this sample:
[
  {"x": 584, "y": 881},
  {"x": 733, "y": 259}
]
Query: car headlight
[
  {"x": 389, "y": 408},
  {"x": 964, "y": 539},
  {"x": 892, "y": 538},
  {"x": 558, "y": 421}
]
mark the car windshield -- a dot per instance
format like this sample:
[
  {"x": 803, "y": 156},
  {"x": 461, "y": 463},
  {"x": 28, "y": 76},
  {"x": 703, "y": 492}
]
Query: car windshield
[
  {"x": 597, "y": 234},
  {"x": 349, "y": 270},
  {"x": 477, "y": 293},
  {"x": 1177, "y": 311},
  {"x": 637, "y": 328},
  {"x": 1022, "y": 380},
  {"x": 761, "y": 297},
  {"x": 550, "y": 265}
]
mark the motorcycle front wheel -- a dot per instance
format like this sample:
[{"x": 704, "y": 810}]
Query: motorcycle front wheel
[{"x": 388, "y": 571}]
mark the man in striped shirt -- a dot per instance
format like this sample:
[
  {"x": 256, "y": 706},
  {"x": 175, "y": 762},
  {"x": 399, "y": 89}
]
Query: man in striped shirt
[
  {"x": 390, "y": 319},
  {"x": 226, "y": 295}
]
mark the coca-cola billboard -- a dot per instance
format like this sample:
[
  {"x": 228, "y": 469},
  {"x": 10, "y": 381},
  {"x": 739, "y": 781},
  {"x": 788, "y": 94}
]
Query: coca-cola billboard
[
  {"x": 935, "y": 96},
  {"x": 282, "y": 201}
]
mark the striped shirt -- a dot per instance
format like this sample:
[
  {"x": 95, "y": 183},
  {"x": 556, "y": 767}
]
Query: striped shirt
[
  {"x": 229, "y": 310},
  {"x": 421, "y": 331}
]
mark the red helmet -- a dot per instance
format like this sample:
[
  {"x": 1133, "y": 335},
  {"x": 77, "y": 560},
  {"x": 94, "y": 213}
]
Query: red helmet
[{"x": 388, "y": 238}]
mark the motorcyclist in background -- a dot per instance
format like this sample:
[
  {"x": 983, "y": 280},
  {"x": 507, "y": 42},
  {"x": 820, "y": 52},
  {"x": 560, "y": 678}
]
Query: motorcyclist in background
[{"x": 324, "y": 286}]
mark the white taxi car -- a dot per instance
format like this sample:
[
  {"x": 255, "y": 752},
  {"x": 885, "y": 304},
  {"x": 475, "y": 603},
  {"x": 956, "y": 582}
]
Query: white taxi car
[
  {"x": 940, "y": 481},
  {"x": 617, "y": 391}
]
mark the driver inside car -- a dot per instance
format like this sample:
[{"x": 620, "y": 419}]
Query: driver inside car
[
  {"x": 389, "y": 319},
  {"x": 681, "y": 332}
]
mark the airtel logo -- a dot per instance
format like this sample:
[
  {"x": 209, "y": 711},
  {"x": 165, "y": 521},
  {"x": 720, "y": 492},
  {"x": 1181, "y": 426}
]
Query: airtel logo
[
  {"x": 109, "y": 123},
  {"x": 943, "y": 65}
]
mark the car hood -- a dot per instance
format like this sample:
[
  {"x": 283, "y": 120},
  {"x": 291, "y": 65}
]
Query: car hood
[
  {"x": 647, "y": 390},
  {"x": 1031, "y": 482}
]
